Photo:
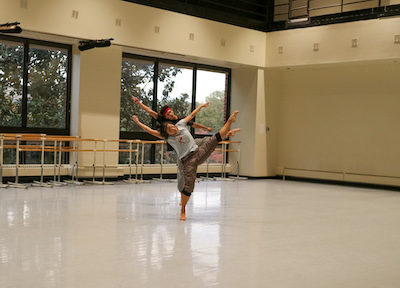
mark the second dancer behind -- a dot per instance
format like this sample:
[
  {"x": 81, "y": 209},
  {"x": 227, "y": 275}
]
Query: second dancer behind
[{"x": 188, "y": 152}]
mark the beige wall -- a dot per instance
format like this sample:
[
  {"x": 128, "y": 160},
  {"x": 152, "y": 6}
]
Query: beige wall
[
  {"x": 97, "y": 20},
  {"x": 273, "y": 87},
  {"x": 99, "y": 101},
  {"x": 375, "y": 43},
  {"x": 248, "y": 96},
  {"x": 328, "y": 111},
  {"x": 244, "y": 99},
  {"x": 336, "y": 106},
  {"x": 341, "y": 119},
  {"x": 96, "y": 73}
]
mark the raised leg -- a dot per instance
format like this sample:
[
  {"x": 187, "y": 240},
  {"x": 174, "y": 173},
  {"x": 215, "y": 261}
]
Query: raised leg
[{"x": 227, "y": 126}]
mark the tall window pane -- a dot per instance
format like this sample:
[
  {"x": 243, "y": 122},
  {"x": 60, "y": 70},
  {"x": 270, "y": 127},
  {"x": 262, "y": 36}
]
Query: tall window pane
[
  {"x": 136, "y": 80},
  {"x": 175, "y": 88},
  {"x": 11, "y": 80},
  {"x": 47, "y": 87},
  {"x": 211, "y": 87}
]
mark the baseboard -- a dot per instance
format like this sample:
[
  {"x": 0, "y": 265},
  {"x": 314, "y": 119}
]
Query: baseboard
[{"x": 340, "y": 183}]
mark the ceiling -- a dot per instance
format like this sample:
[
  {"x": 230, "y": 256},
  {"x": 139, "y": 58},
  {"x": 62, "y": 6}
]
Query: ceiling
[
  {"x": 251, "y": 14},
  {"x": 259, "y": 14}
]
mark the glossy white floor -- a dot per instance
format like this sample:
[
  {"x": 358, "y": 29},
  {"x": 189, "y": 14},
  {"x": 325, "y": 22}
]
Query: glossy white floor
[{"x": 252, "y": 233}]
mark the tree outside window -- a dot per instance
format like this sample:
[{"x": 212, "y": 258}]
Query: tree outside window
[
  {"x": 11, "y": 80},
  {"x": 47, "y": 88},
  {"x": 174, "y": 87},
  {"x": 34, "y": 90}
]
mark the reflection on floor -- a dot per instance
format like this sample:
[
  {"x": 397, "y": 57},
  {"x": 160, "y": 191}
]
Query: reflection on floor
[{"x": 250, "y": 233}]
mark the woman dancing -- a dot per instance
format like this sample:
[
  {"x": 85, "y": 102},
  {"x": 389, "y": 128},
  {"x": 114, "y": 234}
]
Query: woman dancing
[{"x": 188, "y": 152}]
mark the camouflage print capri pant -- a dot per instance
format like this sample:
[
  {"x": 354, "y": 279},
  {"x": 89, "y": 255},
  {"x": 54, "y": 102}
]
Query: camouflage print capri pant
[{"x": 194, "y": 159}]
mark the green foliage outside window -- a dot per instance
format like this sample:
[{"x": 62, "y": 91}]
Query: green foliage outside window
[
  {"x": 47, "y": 88},
  {"x": 213, "y": 115},
  {"x": 138, "y": 80},
  {"x": 44, "y": 74},
  {"x": 11, "y": 74}
]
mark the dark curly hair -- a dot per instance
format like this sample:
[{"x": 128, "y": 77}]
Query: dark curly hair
[{"x": 163, "y": 129}]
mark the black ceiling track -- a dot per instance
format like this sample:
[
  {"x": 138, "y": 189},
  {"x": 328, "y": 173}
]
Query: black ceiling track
[
  {"x": 251, "y": 14},
  {"x": 258, "y": 14}
]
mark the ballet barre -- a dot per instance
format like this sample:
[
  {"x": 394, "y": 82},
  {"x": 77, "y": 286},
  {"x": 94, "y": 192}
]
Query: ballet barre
[
  {"x": 208, "y": 162},
  {"x": 1, "y": 162},
  {"x": 130, "y": 151},
  {"x": 42, "y": 148},
  {"x": 237, "y": 177},
  {"x": 161, "y": 163},
  {"x": 68, "y": 145},
  {"x": 94, "y": 150},
  {"x": 57, "y": 148},
  {"x": 143, "y": 142},
  {"x": 74, "y": 168},
  {"x": 17, "y": 139},
  {"x": 42, "y": 138},
  {"x": 104, "y": 165},
  {"x": 130, "y": 142},
  {"x": 224, "y": 150}
]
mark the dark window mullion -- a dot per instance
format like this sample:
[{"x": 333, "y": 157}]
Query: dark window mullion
[
  {"x": 227, "y": 96},
  {"x": 24, "y": 104},
  {"x": 68, "y": 96},
  {"x": 24, "y": 112},
  {"x": 228, "y": 104},
  {"x": 155, "y": 89},
  {"x": 153, "y": 121},
  {"x": 194, "y": 88}
]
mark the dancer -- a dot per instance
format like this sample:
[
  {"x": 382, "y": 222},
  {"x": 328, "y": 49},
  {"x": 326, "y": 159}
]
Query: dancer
[
  {"x": 188, "y": 152},
  {"x": 167, "y": 114}
]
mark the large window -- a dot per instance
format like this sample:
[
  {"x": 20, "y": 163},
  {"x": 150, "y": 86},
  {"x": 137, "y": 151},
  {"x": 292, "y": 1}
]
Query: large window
[
  {"x": 34, "y": 91},
  {"x": 34, "y": 86},
  {"x": 214, "y": 116},
  {"x": 182, "y": 86},
  {"x": 47, "y": 87},
  {"x": 136, "y": 81},
  {"x": 11, "y": 75},
  {"x": 175, "y": 87}
]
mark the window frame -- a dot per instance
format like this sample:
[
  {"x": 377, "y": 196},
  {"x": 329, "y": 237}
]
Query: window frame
[
  {"x": 26, "y": 43},
  {"x": 195, "y": 66}
]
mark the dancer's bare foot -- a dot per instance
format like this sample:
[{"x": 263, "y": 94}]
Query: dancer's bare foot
[
  {"x": 184, "y": 201},
  {"x": 232, "y": 132},
  {"x": 232, "y": 118}
]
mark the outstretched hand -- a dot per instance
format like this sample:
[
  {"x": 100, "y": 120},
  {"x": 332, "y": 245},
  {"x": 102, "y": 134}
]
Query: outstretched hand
[
  {"x": 135, "y": 118},
  {"x": 205, "y": 104},
  {"x": 135, "y": 99}
]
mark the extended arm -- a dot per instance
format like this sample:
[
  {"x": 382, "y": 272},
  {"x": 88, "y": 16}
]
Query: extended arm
[
  {"x": 195, "y": 111},
  {"x": 199, "y": 126},
  {"x": 145, "y": 108},
  {"x": 146, "y": 128}
]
